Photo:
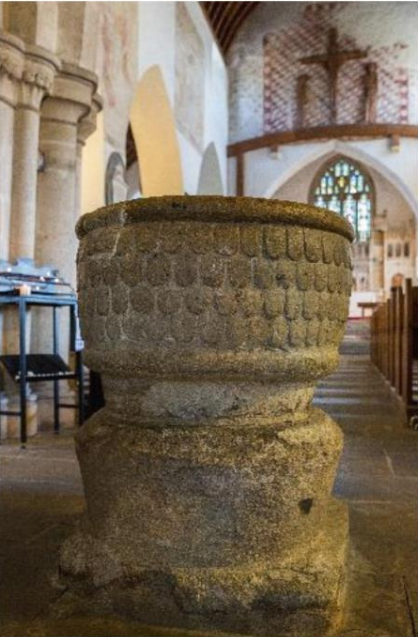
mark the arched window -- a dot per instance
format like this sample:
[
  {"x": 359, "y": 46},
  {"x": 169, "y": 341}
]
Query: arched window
[{"x": 343, "y": 186}]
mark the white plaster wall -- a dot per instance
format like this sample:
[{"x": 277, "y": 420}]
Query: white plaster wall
[
  {"x": 264, "y": 175},
  {"x": 389, "y": 201},
  {"x": 216, "y": 109},
  {"x": 93, "y": 169},
  {"x": 133, "y": 182},
  {"x": 156, "y": 45},
  {"x": 156, "y": 40},
  {"x": 210, "y": 179}
]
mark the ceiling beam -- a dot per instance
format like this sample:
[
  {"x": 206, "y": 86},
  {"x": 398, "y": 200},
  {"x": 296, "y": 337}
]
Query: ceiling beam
[
  {"x": 225, "y": 19},
  {"x": 352, "y": 131}
]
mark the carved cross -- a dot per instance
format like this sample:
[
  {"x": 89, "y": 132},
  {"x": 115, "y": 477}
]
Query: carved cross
[{"x": 332, "y": 61}]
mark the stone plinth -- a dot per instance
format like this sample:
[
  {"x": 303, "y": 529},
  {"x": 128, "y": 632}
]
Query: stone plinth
[{"x": 208, "y": 474}]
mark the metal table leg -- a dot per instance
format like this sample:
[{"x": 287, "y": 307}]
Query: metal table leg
[
  {"x": 22, "y": 366},
  {"x": 56, "y": 382},
  {"x": 80, "y": 387}
]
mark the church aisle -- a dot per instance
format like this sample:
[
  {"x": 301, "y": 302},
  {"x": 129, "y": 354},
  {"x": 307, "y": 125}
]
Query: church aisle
[
  {"x": 378, "y": 478},
  {"x": 41, "y": 500}
]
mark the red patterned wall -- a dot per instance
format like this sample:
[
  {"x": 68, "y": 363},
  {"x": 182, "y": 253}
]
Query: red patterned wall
[{"x": 309, "y": 36}]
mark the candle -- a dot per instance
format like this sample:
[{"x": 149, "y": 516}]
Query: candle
[{"x": 24, "y": 289}]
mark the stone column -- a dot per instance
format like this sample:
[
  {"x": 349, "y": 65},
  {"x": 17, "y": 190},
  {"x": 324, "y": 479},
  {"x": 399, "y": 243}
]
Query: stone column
[
  {"x": 38, "y": 74},
  {"x": 11, "y": 69},
  {"x": 55, "y": 244},
  {"x": 208, "y": 474},
  {"x": 70, "y": 102}
]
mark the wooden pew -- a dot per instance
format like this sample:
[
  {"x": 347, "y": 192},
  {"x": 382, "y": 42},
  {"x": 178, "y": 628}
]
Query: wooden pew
[{"x": 394, "y": 345}]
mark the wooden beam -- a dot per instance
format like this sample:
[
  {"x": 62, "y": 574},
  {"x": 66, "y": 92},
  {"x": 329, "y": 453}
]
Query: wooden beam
[
  {"x": 322, "y": 132},
  {"x": 247, "y": 8},
  {"x": 240, "y": 176},
  {"x": 225, "y": 19},
  {"x": 228, "y": 19}
]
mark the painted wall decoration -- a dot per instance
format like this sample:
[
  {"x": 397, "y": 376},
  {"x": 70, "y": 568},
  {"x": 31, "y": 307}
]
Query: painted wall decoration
[
  {"x": 324, "y": 63},
  {"x": 189, "y": 80},
  {"x": 336, "y": 83},
  {"x": 117, "y": 66}
]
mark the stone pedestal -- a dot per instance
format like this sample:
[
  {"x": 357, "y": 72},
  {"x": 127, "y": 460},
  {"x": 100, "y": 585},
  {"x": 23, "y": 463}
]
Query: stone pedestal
[{"x": 208, "y": 474}]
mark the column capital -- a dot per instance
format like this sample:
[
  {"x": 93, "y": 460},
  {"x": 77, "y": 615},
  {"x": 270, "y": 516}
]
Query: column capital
[
  {"x": 26, "y": 72},
  {"x": 71, "y": 95},
  {"x": 12, "y": 59},
  {"x": 87, "y": 125},
  {"x": 12, "y": 55},
  {"x": 40, "y": 68}
]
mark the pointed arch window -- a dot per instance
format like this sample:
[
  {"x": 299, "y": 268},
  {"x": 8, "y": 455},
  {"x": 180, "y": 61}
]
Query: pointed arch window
[{"x": 344, "y": 187}]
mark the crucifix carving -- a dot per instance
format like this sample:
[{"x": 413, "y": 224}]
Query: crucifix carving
[
  {"x": 371, "y": 88},
  {"x": 332, "y": 61},
  {"x": 301, "y": 100}
]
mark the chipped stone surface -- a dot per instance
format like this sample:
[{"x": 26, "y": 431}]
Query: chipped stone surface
[{"x": 208, "y": 474}]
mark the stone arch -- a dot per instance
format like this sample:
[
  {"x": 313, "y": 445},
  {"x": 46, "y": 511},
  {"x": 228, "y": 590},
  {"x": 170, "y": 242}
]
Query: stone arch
[
  {"x": 210, "y": 177},
  {"x": 329, "y": 162},
  {"x": 115, "y": 180},
  {"x": 133, "y": 169},
  {"x": 154, "y": 131},
  {"x": 336, "y": 147},
  {"x": 368, "y": 190}
]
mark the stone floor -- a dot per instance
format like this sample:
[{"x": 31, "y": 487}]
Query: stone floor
[{"x": 41, "y": 499}]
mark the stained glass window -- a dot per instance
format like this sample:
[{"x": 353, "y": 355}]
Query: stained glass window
[{"x": 345, "y": 189}]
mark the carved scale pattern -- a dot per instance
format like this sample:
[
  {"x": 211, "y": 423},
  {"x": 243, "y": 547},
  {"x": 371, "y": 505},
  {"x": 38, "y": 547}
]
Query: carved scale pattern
[{"x": 209, "y": 285}]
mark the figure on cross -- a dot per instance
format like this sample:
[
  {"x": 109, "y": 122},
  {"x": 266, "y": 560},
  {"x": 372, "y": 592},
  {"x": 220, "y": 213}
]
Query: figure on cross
[{"x": 332, "y": 61}]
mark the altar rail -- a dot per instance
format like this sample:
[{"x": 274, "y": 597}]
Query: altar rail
[{"x": 394, "y": 345}]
